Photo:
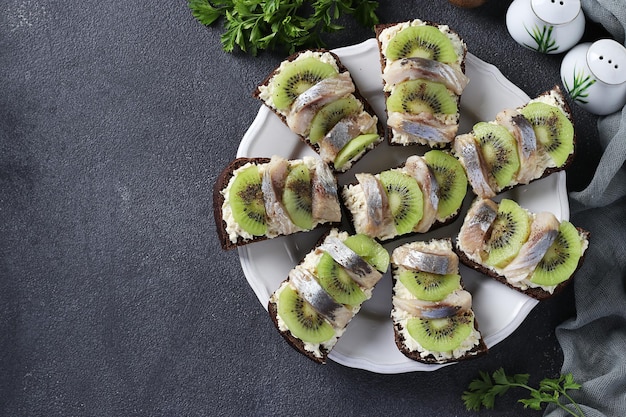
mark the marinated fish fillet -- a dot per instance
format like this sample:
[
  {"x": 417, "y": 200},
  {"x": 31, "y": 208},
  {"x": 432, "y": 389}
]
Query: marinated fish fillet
[
  {"x": 422, "y": 68},
  {"x": 307, "y": 286},
  {"x": 325, "y": 204},
  {"x": 379, "y": 219},
  {"x": 418, "y": 169},
  {"x": 422, "y": 126},
  {"x": 543, "y": 230},
  {"x": 476, "y": 227},
  {"x": 355, "y": 266},
  {"x": 308, "y": 103},
  {"x": 272, "y": 186},
  {"x": 466, "y": 150},
  {"x": 454, "y": 303}
]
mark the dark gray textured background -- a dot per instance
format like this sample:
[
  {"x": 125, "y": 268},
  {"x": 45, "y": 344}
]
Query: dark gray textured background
[{"x": 115, "y": 297}]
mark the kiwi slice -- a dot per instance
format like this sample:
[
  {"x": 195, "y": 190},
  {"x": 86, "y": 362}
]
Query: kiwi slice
[
  {"x": 561, "y": 259},
  {"x": 441, "y": 335},
  {"x": 353, "y": 148},
  {"x": 301, "y": 318},
  {"x": 296, "y": 77},
  {"x": 509, "y": 231},
  {"x": 406, "y": 200},
  {"x": 337, "y": 283},
  {"x": 553, "y": 129},
  {"x": 330, "y": 114},
  {"x": 422, "y": 96},
  {"x": 297, "y": 197},
  {"x": 451, "y": 181},
  {"x": 371, "y": 251},
  {"x": 499, "y": 150},
  {"x": 246, "y": 201},
  {"x": 423, "y": 41},
  {"x": 428, "y": 286}
]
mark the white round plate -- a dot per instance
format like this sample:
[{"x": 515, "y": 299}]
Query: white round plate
[{"x": 368, "y": 342}]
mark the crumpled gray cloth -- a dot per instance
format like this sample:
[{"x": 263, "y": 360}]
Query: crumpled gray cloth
[{"x": 594, "y": 342}]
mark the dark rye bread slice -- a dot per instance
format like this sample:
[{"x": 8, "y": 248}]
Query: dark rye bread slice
[
  {"x": 378, "y": 30},
  {"x": 536, "y": 293},
  {"x": 478, "y": 350},
  {"x": 342, "y": 68},
  {"x": 218, "y": 200},
  {"x": 293, "y": 341}
]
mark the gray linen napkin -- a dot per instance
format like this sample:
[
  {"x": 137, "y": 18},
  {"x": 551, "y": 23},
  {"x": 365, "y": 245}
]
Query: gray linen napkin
[{"x": 594, "y": 342}]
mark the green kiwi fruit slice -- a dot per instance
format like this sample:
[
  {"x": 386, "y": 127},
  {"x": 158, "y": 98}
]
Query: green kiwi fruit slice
[
  {"x": 561, "y": 259},
  {"x": 423, "y": 41},
  {"x": 441, "y": 335},
  {"x": 301, "y": 318},
  {"x": 296, "y": 77},
  {"x": 371, "y": 251},
  {"x": 451, "y": 181},
  {"x": 422, "y": 96},
  {"x": 406, "y": 200},
  {"x": 246, "y": 201},
  {"x": 499, "y": 150},
  {"x": 336, "y": 281},
  {"x": 330, "y": 114},
  {"x": 353, "y": 148},
  {"x": 553, "y": 129},
  {"x": 297, "y": 197},
  {"x": 428, "y": 286},
  {"x": 509, "y": 232}
]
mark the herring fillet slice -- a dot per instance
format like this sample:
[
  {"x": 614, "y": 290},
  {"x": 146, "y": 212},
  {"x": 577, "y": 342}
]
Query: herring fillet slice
[
  {"x": 467, "y": 151},
  {"x": 307, "y": 286},
  {"x": 475, "y": 227},
  {"x": 437, "y": 262},
  {"x": 358, "y": 269},
  {"x": 306, "y": 104},
  {"x": 454, "y": 303},
  {"x": 272, "y": 186},
  {"x": 543, "y": 231},
  {"x": 423, "y": 68},
  {"x": 379, "y": 219},
  {"x": 325, "y": 200},
  {"x": 417, "y": 167}
]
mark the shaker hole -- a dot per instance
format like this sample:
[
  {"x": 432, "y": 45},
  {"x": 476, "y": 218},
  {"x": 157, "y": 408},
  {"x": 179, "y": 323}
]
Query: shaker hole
[{"x": 601, "y": 57}]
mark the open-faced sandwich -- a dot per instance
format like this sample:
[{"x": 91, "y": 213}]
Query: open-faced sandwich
[
  {"x": 520, "y": 146},
  {"x": 423, "y": 70},
  {"x": 313, "y": 306},
  {"x": 422, "y": 193},
  {"x": 533, "y": 253},
  {"x": 314, "y": 94},
  {"x": 259, "y": 198},
  {"x": 432, "y": 313}
]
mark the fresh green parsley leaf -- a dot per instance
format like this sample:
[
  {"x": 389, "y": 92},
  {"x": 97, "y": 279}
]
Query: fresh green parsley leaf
[
  {"x": 483, "y": 391},
  {"x": 253, "y": 25}
]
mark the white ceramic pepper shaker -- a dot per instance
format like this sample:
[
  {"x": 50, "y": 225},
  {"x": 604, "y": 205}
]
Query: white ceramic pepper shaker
[
  {"x": 594, "y": 75},
  {"x": 547, "y": 26}
]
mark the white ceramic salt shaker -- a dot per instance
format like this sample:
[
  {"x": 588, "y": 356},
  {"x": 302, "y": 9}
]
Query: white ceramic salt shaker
[
  {"x": 594, "y": 75},
  {"x": 547, "y": 26}
]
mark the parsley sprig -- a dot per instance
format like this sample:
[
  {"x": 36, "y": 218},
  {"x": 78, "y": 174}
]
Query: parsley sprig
[
  {"x": 254, "y": 25},
  {"x": 483, "y": 391}
]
